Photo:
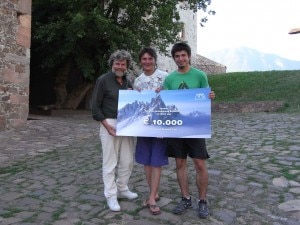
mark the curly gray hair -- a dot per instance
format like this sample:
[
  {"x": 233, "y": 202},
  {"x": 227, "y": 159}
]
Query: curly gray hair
[{"x": 120, "y": 55}]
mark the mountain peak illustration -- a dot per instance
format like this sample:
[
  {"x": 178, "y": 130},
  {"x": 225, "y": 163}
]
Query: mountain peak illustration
[
  {"x": 161, "y": 115},
  {"x": 137, "y": 109}
]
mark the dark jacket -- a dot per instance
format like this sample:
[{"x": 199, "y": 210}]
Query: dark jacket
[{"x": 105, "y": 96}]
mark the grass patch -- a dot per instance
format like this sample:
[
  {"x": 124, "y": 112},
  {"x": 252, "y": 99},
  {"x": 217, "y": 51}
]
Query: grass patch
[
  {"x": 79, "y": 223},
  {"x": 259, "y": 86},
  {"x": 252, "y": 179},
  {"x": 57, "y": 213},
  {"x": 281, "y": 198},
  {"x": 287, "y": 175},
  {"x": 16, "y": 168},
  {"x": 134, "y": 212},
  {"x": 273, "y": 160},
  {"x": 10, "y": 212},
  {"x": 31, "y": 219}
]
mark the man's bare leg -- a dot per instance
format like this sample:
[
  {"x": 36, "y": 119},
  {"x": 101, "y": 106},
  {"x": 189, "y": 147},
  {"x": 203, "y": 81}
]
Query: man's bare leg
[
  {"x": 201, "y": 177},
  {"x": 182, "y": 178},
  {"x": 181, "y": 171}
]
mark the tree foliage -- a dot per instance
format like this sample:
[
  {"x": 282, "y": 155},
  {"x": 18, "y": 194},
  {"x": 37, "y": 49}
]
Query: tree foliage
[{"x": 87, "y": 32}]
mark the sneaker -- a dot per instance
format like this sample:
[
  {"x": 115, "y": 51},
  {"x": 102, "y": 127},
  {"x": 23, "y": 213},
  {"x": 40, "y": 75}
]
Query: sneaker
[
  {"x": 113, "y": 204},
  {"x": 184, "y": 204},
  {"x": 203, "y": 211},
  {"x": 127, "y": 194}
]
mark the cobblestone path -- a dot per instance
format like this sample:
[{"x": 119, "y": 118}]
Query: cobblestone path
[{"x": 50, "y": 173}]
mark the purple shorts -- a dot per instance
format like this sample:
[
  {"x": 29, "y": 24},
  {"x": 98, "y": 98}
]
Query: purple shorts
[{"x": 151, "y": 151}]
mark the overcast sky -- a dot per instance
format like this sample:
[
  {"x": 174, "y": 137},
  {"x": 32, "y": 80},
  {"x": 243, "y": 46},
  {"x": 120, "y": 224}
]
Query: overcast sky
[{"x": 259, "y": 24}]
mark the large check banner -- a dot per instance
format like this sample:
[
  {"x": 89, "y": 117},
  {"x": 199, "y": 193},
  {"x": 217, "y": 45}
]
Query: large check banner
[{"x": 184, "y": 113}]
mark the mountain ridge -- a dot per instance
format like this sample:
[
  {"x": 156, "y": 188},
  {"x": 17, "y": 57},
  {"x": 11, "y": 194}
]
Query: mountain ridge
[{"x": 244, "y": 59}]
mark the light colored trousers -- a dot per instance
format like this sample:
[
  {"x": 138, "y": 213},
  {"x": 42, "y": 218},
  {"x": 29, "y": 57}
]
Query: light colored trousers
[{"x": 117, "y": 154}]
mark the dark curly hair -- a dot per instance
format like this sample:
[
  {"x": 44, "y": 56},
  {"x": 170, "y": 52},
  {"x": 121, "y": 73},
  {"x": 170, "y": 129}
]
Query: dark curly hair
[
  {"x": 120, "y": 55},
  {"x": 181, "y": 46},
  {"x": 148, "y": 50}
]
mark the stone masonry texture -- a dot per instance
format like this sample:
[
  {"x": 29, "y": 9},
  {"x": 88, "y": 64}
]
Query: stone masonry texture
[{"x": 15, "y": 36}]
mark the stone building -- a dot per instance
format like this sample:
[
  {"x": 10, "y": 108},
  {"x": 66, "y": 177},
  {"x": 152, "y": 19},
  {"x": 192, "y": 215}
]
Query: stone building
[
  {"x": 15, "y": 34},
  {"x": 208, "y": 66},
  {"x": 189, "y": 34}
]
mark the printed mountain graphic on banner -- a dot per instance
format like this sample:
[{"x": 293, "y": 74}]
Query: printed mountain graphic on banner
[
  {"x": 169, "y": 113},
  {"x": 136, "y": 110},
  {"x": 156, "y": 109}
]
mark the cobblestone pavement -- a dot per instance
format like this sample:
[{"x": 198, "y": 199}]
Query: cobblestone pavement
[{"x": 50, "y": 173}]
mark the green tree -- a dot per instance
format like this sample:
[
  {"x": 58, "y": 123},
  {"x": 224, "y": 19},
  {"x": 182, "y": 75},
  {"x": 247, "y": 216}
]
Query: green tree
[{"x": 79, "y": 35}]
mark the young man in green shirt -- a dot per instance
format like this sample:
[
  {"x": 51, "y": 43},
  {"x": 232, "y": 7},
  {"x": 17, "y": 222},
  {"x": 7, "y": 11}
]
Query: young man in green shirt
[{"x": 183, "y": 78}]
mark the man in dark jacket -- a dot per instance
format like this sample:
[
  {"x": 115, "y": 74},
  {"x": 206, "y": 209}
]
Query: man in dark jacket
[{"x": 117, "y": 151}]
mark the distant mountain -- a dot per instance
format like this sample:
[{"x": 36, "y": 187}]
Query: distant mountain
[{"x": 245, "y": 59}]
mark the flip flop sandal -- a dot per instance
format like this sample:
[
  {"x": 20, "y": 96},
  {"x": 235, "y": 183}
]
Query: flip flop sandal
[
  {"x": 145, "y": 203},
  {"x": 152, "y": 210}
]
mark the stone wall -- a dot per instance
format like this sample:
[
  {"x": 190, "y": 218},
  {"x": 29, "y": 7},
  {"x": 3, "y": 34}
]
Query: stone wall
[
  {"x": 247, "y": 107},
  {"x": 15, "y": 35}
]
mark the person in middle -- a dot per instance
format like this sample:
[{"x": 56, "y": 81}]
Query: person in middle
[{"x": 151, "y": 151}]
